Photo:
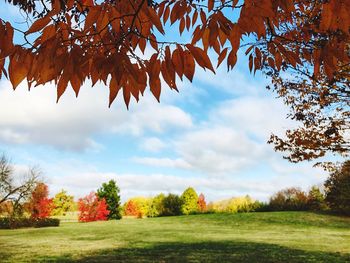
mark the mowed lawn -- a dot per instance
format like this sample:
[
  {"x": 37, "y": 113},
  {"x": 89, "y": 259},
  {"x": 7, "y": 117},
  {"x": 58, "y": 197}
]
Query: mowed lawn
[{"x": 251, "y": 237}]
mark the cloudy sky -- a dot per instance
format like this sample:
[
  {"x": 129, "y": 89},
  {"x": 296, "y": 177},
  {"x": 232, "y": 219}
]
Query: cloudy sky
[{"x": 211, "y": 135}]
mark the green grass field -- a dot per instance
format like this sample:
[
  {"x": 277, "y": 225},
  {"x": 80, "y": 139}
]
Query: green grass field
[{"x": 252, "y": 237}]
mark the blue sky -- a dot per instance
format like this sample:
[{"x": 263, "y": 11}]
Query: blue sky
[{"x": 211, "y": 135}]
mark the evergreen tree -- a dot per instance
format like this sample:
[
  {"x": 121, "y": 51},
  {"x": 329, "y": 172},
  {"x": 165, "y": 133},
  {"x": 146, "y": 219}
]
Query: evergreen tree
[{"x": 110, "y": 192}]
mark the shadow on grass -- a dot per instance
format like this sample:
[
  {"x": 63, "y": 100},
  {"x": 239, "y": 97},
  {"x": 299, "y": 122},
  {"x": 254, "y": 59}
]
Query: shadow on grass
[{"x": 207, "y": 252}]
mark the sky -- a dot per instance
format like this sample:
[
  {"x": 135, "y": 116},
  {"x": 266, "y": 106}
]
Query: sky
[{"x": 212, "y": 135}]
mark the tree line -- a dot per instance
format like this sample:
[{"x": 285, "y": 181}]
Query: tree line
[{"x": 30, "y": 198}]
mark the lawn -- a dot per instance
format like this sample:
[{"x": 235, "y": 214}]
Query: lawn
[{"x": 252, "y": 237}]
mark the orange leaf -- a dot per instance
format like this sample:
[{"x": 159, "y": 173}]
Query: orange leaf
[
  {"x": 201, "y": 57},
  {"x": 222, "y": 56},
  {"x": 189, "y": 65},
  {"x": 39, "y": 24}
]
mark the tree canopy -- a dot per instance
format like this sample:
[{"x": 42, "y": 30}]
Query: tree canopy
[{"x": 70, "y": 41}]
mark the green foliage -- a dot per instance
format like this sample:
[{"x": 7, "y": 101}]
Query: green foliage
[
  {"x": 316, "y": 199},
  {"x": 157, "y": 206},
  {"x": 290, "y": 199},
  {"x": 172, "y": 205},
  {"x": 63, "y": 203},
  {"x": 20, "y": 222},
  {"x": 338, "y": 189},
  {"x": 110, "y": 192},
  {"x": 189, "y": 201}
]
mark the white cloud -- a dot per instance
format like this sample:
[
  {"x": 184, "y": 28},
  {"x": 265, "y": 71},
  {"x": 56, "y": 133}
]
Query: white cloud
[
  {"x": 152, "y": 144},
  {"x": 34, "y": 117},
  {"x": 163, "y": 162}
]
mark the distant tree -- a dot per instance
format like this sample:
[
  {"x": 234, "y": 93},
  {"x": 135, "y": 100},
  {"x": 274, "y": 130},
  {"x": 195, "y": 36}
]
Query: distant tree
[
  {"x": 157, "y": 206},
  {"x": 63, "y": 203},
  {"x": 202, "y": 205},
  {"x": 189, "y": 201},
  {"x": 290, "y": 199},
  {"x": 137, "y": 206},
  {"x": 40, "y": 204},
  {"x": 130, "y": 208},
  {"x": 110, "y": 192},
  {"x": 316, "y": 199},
  {"x": 16, "y": 189},
  {"x": 91, "y": 208},
  {"x": 172, "y": 205},
  {"x": 6, "y": 208},
  {"x": 337, "y": 189}
]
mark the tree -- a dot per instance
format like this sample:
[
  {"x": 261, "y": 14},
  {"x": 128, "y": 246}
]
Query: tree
[
  {"x": 110, "y": 192},
  {"x": 130, "y": 208},
  {"x": 290, "y": 199},
  {"x": 71, "y": 41},
  {"x": 172, "y": 205},
  {"x": 202, "y": 204},
  {"x": 16, "y": 189},
  {"x": 316, "y": 199},
  {"x": 189, "y": 201},
  {"x": 91, "y": 208},
  {"x": 157, "y": 206},
  {"x": 40, "y": 204},
  {"x": 337, "y": 188},
  {"x": 63, "y": 203}
]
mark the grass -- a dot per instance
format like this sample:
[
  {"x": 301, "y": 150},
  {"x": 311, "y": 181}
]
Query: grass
[{"x": 252, "y": 237}]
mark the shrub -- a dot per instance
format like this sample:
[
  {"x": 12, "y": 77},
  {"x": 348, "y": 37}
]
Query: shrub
[
  {"x": 337, "y": 189},
  {"x": 189, "y": 201},
  {"x": 13, "y": 222},
  {"x": 172, "y": 205},
  {"x": 92, "y": 209}
]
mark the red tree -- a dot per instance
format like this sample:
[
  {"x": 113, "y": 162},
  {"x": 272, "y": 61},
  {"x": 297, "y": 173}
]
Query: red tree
[
  {"x": 202, "y": 204},
  {"x": 92, "y": 209},
  {"x": 40, "y": 204}
]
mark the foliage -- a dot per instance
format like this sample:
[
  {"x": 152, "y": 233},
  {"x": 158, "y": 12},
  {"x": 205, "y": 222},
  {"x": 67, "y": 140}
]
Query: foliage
[
  {"x": 68, "y": 42},
  {"x": 202, "y": 204},
  {"x": 110, "y": 192},
  {"x": 290, "y": 199},
  {"x": 189, "y": 201},
  {"x": 338, "y": 189},
  {"x": 40, "y": 204},
  {"x": 92, "y": 208},
  {"x": 13, "y": 189},
  {"x": 6, "y": 208},
  {"x": 63, "y": 203},
  {"x": 316, "y": 199},
  {"x": 130, "y": 208},
  {"x": 137, "y": 206},
  {"x": 157, "y": 206},
  {"x": 19, "y": 222},
  {"x": 172, "y": 204},
  {"x": 234, "y": 205}
]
